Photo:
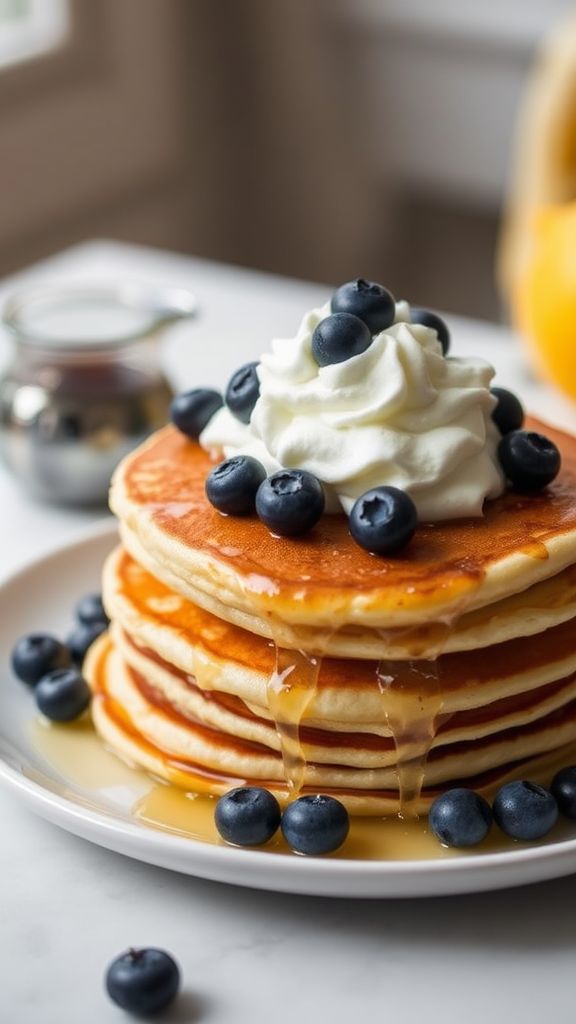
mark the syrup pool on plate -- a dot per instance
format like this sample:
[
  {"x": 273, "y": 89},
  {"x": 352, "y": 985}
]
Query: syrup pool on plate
[{"x": 85, "y": 767}]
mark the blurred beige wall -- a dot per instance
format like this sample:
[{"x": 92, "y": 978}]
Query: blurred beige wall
[{"x": 320, "y": 139}]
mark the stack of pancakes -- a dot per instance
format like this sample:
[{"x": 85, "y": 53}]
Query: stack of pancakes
[{"x": 309, "y": 665}]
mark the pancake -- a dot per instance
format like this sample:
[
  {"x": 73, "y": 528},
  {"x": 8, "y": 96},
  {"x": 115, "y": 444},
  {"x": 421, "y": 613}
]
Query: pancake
[
  {"x": 192, "y": 695},
  {"x": 308, "y": 665},
  {"x": 133, "y": 717},
  {"x": 220, "y": 656},
  {"x": 324, "y": 581},
  {"x": 527, "y": 613},
  {"x": 370, "y": 744}
]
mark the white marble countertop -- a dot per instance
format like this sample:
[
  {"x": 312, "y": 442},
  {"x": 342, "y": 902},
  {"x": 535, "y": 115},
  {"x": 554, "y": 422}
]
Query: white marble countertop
[{"x": 67, "y": 907}]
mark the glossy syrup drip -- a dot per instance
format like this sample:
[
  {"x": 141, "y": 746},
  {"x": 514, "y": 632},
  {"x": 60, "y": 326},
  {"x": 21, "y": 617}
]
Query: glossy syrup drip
[
  {"x": 171, "y": 810},
  {"x": 413, "y": 697},
  {"x": 82, "y": 770},
  {"x": 290, "y": 692},
  {"x": 85, "y": 772},
  {"x": 412, "y": 703}
]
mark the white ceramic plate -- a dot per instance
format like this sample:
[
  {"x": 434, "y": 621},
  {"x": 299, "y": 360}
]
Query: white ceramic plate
[{"x": 42, "y": 596}]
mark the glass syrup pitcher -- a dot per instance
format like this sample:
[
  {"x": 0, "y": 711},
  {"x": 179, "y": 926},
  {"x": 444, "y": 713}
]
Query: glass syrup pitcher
[{"x": 84, "y": 385}]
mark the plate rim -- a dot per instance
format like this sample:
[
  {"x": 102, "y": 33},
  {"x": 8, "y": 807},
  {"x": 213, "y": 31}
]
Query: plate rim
[{"x": 298, "y": 874}]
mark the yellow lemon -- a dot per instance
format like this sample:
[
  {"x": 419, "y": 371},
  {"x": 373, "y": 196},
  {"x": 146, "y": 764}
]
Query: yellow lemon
[{"x": 545, "y": 296}]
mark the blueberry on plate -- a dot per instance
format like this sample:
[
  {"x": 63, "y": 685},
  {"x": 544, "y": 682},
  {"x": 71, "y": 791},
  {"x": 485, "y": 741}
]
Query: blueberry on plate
[
  {"x": 367, "y": 300},
  {"x": 192, "y": 410},
  {"x": 525, "y": 810},
  {"x": 460, "y": 817},
  {"x": 529, "y": 461},
  {"x": 36, "y": 654},
  {"x": 143, "y": 981},
  {"x": 290, "y": 502},
  {"x": 338, "y": 338},
  {"x": 315, "y": 825},
  {"x": 90, "y": 610},
  {"x": 231, "y": 487},
  {"x": 82, "y": 637},
  {"x": 429, "y": 319},
  {"x": 62, "y": 695},
  {"x": 247, "y": 816},
  {"x": 243, "y": 392},
  {"x": 508, "y": 414},
  {"x": 563, "y": 790},
  {"x": 383, "y": 520}
]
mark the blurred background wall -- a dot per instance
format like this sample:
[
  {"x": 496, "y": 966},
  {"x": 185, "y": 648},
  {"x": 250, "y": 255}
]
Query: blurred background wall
[{"x": 317, "y": 138}]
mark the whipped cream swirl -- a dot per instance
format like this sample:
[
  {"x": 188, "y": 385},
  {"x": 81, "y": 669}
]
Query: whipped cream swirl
[{"x": 398, "y": 414}]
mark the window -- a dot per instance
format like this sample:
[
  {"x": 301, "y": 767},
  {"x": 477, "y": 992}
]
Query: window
[
  {"x": 93, "y": 118},
  {"x": 31, "y": 28}
]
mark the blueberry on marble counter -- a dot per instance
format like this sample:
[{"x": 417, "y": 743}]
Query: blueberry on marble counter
[
  {"x": 383, "y": 520},
  {"x": 290, "y": 502},
  {"x": 338, "y": 338},
  {"x": 460, "y": 818},
  {"x": 367, "y": 300},
  {"x": 36, "y": 654},
  {"x": 232, "y": 485},
  {"x": 143, "y": 981},
  {"x": 315, "y": 825},
  {"x": 429, "y": 319},
  {"x": 525, "y": 810},
  {"x": 247, "y": 816}
]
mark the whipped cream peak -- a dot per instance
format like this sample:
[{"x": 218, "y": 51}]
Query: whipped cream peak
[{"x": 400, "y": 413}]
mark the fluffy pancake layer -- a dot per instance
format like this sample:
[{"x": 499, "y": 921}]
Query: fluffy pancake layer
[
  {"x": 541, "y": 606},
  {"x": 188, "y": 695},
  {"x": 235, "y": 568},
  {"x": 221, "y": 656},
  {"x": 309, "y": 665},
  {"x": 135, "y": 712}
]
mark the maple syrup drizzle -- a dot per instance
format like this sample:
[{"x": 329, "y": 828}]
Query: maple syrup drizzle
[
  {"x": 82, "y": 762},
  {"x": 291, "y": 689},
  {"x": 411, "y": 690},
  {"x": 412, "y": 703},
  {"x": 186, "y": 806},
  {"x": 413, "y": 699}
]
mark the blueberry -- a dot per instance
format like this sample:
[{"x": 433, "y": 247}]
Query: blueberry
[
  {"x": 383, "y": 520},
  {"x": 35, "y": 655},
  {"x": 243, "y": 391},
  {"x": 339, "y": 337},
  {"x": 563, "y": 790},
  {"x": 82, "y": 637},
  {"x": 192, "y": 410},
  {"x": 62, "y": 695},
  {"x": 460, "y": 817},
  {"x": 247, "y": 816},
  {"x": 315, "y": 824},
  {"x": 290, "y": 502},
  {"x": 525, "y": 810},
  {"x": 90, "y": 610},
  {"x": 530, "y": 461},
  {"x": 369, "y": 301},
  {"x": 429, "y": 319},
  {"x": 508, "y": 415},
  {"x": 143, "y": 981},
  {"x": 231, "y": 487}
]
